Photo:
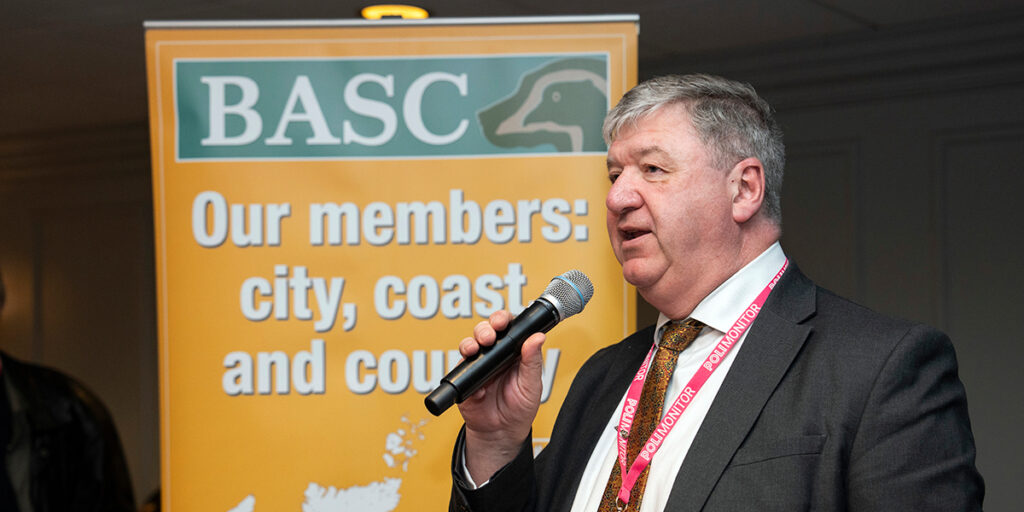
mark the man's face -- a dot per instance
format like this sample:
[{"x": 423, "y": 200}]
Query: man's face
[{"x": 669, "y": 209}]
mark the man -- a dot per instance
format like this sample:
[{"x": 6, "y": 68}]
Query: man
[
  {"x": 60, "y": 447},
  {"x": 791, "y": 398}
]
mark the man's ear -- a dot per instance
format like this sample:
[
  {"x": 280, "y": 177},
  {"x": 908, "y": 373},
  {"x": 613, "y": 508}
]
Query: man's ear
[{"x": 746, "y": 182}]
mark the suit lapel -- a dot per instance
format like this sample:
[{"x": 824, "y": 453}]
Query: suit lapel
[
  {"x": 768, "y": 351},
  {"x": 590, "y": 417}
]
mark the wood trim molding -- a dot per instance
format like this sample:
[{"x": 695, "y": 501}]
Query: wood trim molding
[
  {"x": 942, "y": 142},
  {"x": 102, "y": 150}
]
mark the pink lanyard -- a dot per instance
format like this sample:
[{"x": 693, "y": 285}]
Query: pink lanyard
[{"x": 685, "y": 396}]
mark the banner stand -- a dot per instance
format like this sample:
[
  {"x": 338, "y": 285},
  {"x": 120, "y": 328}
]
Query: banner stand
[{"x": 336, "y": 204}]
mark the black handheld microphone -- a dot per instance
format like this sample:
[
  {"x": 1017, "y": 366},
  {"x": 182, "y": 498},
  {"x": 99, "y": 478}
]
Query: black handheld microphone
[{"x": 565, "y": 296}]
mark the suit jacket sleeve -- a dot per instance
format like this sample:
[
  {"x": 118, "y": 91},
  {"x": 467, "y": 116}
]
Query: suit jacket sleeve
[
  {"x": 511, "y": 489},
  {"x": 913, "y": 448}
]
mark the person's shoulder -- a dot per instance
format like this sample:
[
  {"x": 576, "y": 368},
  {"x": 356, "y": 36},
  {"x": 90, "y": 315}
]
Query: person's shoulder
[
  {"x": 854, "y": 329},
  {"x": 44, "y": 386},
  {"x": 801, "y": 300},
  {"x": 36, "y": 381},
  {"x": 858, "y": 318}
]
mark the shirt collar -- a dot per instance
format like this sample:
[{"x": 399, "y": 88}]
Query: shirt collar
[{"x": 720, "y": 309}]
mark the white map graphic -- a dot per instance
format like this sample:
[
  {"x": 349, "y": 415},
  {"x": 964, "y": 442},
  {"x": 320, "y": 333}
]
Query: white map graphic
[
  {"x": 380, "y": 496},
  {"x": 376, "y": 497},
  {"x": 245, "y": 505}
]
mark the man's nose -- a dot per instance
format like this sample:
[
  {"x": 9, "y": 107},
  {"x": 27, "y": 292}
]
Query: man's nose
[{"x": 623, "y": 196}]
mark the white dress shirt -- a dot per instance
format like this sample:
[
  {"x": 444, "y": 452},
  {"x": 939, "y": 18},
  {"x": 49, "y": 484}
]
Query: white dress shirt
[{"x": 719, "y": 310}]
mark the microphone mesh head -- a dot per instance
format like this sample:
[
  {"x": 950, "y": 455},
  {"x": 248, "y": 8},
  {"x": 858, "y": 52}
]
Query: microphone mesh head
[{"x": 569, "y": 292}]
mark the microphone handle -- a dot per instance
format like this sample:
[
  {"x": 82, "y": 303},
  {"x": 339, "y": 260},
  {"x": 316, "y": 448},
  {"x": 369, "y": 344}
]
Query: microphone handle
[{"x": 476, "y": 371}]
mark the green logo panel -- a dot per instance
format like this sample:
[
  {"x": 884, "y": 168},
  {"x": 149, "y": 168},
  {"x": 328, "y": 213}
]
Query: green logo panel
[{"x": 241, "y": 109}]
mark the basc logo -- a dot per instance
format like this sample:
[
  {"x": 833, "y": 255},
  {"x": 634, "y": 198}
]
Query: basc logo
[{"x": 337, "y": 108}]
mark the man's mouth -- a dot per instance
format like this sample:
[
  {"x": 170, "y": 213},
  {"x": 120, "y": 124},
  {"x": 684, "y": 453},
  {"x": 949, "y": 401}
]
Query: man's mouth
[{"x": 629, "y": 234}]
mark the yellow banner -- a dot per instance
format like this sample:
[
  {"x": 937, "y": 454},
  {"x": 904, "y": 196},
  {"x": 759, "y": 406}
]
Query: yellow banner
[{"x": 335, "y": 208}]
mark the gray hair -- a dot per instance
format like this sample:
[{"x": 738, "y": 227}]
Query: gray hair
[{"x": 729, "y": 117}]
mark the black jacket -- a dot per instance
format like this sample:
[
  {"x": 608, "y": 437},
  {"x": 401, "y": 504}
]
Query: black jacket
[
  {"x": 75, "y": 457},
  {"x": 828, "y": 407}
]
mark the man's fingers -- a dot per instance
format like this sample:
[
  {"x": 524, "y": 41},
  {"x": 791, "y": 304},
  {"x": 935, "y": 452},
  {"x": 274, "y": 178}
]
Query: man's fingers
[
  {"x": 531, "y": 350},
  {"x": 499, "y": 319},
  {"x": 468, "y": 347},
  {"x": 484, "y": 333}
]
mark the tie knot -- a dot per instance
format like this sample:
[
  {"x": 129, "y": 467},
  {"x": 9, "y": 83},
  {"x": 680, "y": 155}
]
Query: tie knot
[{"x": 678, "y": 335}]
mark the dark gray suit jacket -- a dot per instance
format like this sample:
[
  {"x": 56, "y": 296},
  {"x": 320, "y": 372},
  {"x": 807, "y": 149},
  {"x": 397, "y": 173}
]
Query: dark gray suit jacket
[{"x": 828, "y": 406}]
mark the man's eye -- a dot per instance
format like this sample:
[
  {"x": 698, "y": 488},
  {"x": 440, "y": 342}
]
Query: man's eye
[
  {"x": 653, "y": 168},
  {"x": 612, "y": 176}
]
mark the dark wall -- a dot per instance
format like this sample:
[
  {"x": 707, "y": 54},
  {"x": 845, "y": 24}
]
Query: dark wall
[{"x": 902, "y": 193}]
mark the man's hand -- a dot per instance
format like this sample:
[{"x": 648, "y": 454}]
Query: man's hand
[{"x": 500, "y": 415}]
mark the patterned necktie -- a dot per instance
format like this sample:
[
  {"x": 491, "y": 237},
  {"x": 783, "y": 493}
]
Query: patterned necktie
[{"x": 674, "y": 339}]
